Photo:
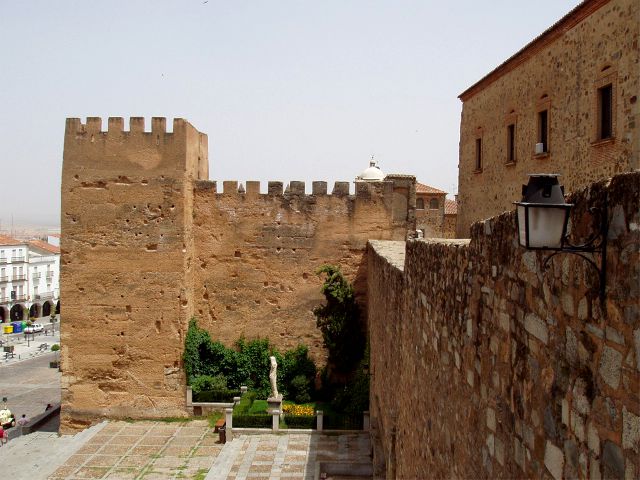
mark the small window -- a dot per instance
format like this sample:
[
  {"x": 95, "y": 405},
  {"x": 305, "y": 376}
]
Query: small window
[
  {"x": 605, "y": 112},
  {"x": 511, "y": 143},
  {"x": 433, "y": 204},
  {"x": 543, "y": 131},
  {"x": 420, "y": 203},
  {"x": 478, "y": 155}
]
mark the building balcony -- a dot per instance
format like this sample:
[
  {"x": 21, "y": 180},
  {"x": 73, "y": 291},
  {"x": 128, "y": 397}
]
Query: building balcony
[
  {"x": 18, "y": 298},
  {"x": 49, "y": 275},
  {"x": 44, "y": 296},
  {"x": 4, "y": 260},
  {"x": 17, "y": 259},
  {"x": 19, "y": 278},
  {"x": 36, "y": 276},
  {"x": 4, "y": 279}
]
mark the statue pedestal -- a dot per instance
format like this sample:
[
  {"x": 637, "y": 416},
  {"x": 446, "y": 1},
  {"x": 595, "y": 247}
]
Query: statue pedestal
[{"x": 274, "y": 403}]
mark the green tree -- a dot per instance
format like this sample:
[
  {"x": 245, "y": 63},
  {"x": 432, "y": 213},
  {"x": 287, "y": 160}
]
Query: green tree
[{"x": 339, "y": 320}]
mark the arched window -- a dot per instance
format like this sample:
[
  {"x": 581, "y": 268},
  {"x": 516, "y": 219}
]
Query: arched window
[
  {"x": 420, "y": 203},
  {"x": 433, "y": 204}
]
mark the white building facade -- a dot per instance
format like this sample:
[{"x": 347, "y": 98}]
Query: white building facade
[{"x": 29, "y": 279}]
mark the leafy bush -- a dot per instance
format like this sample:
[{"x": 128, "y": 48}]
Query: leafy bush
[
  {"x": 301, "y": 421},
  {"x": 246, "y": 364},
  {"x": 207, "y": 382},
  {"x": 217, "y": 396},
  {"x": 339, "y": 321},
  {"x": 300, "y": 389},
  {"x": 55, "y": 347},
  {"x": 252, "y": 421},
  {"x": 245, "y": 403}
]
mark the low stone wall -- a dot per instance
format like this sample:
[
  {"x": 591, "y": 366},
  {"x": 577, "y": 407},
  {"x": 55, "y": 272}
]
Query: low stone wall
[{"x": 486, "y": 366}]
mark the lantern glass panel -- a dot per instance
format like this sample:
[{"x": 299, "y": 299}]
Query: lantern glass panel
[
  {"x": 546, "y": 226},
  {"x": 522, "y": 225}
]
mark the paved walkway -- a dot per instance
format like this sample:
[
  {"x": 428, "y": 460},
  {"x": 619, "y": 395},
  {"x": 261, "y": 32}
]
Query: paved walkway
[
  {"x": 287, "y": 456},
  {"x": 160, "y": 450},
  {"x": 149, "y": 450}
]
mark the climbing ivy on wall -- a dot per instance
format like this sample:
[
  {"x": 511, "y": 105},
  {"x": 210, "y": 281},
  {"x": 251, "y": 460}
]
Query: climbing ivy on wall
[
  {"x": 339, "y": 321},
  {"x": 248, "y": 364}
]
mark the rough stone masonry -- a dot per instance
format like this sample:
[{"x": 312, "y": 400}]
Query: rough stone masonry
[{"x": 486, "y": 366}]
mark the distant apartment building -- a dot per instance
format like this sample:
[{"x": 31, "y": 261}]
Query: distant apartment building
[
  {"x": 29, "y": 279},
  {"x": 566, "y": 103}
]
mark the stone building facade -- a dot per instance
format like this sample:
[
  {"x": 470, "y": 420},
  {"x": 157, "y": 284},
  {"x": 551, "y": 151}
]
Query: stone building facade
[
  {"x": 148, "y": 242},
  {"x": 484, "y": 365},
  {"x": 430, "y": 206},
  {"x": 566, "y": 103}
]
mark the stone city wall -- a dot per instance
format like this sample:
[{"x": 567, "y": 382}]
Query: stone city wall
[
  {"x": 147, "y": 242},
  {"x": 257, "y": 254},
  {"x": 561, "y": 73},
  {"x": 484, "y": 366}
]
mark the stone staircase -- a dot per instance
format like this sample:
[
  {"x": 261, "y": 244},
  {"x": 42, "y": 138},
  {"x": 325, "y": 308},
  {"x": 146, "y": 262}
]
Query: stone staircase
[{"x": 39, "y": 454}]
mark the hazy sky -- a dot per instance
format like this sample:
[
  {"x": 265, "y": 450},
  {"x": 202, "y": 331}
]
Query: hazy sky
[{"x": 286, "y": 90}]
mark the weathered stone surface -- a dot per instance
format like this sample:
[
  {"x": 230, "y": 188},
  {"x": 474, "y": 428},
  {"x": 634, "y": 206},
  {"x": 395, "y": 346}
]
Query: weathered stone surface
[
  {"x": 630, "y": 430},
  {"x": 560, "y": 392},
  {"x": 610, "y": 364},
  {"x": 612, "y": 461},
  {"x": 554, "y": 460},
  {"x": 536, "y": 327}
]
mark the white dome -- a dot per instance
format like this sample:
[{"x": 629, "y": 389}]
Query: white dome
[{"x": 371, "y": 174}]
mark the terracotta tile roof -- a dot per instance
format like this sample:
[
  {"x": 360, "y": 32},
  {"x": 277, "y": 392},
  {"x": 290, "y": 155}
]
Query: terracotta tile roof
[
  {"x": 5, "y": 240},
  {"x": 44, "y": 246},
  {"x": 57, "y": 235},
  {"x": 422, "y": 188},
  {"x": 450, "y": 207}
]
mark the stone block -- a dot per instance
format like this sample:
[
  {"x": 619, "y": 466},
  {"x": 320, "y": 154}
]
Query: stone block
[
  {"x": 614, "y": 336},
  {"x": 630, "y": 430},
  {"x": 491, "y": 419},
  {"x": 612, "y": 461},
  {"x": 536, "y": 327},
  {"x": 593, "y": 439},
  {"x": 554, "y": 460},
  {"x": 610, "y": 363}
]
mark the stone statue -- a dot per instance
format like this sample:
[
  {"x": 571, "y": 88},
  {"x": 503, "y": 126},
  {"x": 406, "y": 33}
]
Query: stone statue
[{"x": 273, "y": 377}]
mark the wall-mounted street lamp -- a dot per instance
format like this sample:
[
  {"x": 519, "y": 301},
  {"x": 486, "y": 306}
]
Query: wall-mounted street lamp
[{"x": 543, "y": 216}]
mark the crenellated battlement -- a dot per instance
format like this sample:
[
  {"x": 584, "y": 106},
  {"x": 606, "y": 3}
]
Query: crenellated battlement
[
  {"x": 296, "y": 188},
  {"x": 116, "y": 125}
]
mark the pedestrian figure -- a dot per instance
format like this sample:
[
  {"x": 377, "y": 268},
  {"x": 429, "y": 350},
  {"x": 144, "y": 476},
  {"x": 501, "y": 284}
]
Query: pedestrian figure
[
  {"x": 3, "y": 436},
  {"x": 23, "y": 421}
]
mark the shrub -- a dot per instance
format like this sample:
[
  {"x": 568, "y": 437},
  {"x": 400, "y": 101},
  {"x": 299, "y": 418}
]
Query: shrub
[
  {"x": 55, "y": 347},
  {"x": 301, "y": 421},
  {"x": 339, "y": 321},
  {"x": 300, "y": 389},
  {"x": 247, "y": 364},
  {"x": 252, "y": 421},
  {"x": 207, "y": 383},
  {"x": 217, "y": 396}
]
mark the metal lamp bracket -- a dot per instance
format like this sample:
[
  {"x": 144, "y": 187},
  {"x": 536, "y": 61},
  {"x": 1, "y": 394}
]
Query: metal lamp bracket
[{"x": 595, "y": 245}]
